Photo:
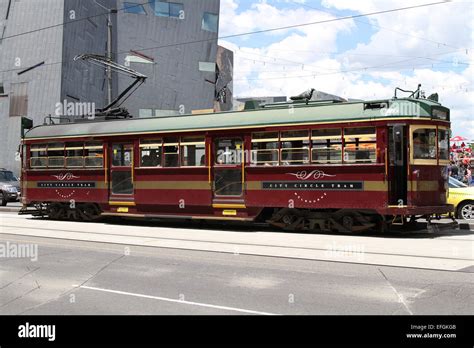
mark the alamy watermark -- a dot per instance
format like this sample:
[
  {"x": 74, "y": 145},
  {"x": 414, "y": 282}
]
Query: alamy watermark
[
  {"x": 401, "y": 108},
  {"x": 67, "y": 108},
  {"x": 28, "y": 330},
  {"x": 19, "y": 250},
  {"x": 349, "y": 251}
]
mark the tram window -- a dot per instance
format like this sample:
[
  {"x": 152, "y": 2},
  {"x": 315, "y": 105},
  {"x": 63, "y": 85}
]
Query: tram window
[
  {"x": 121, "y": 155},
  {"x": 360, "y": 145},
  {"x": 227, "y": 182},
  {"x": 150, "y": 152},
  {"x": 122, "y": 183},
  {"x": 294, "y": 147},
  {"x": 443, "y": 144},
  {"x": 265, "y": 149},
  {"x": 193, "y": 151},
  {"x": 38, "y": 156},
  {"x": 228, "y": 151},
  {"x": 24, "y": 158},
  {"x": 326, "y": 146},
  {"x": 56, "y": 155},
  {"x": 424, "y": 143},
  {"x": 75, "y": 155},
  {"x": 93, "y": 154},
  {"x": 171, "y": 152}
]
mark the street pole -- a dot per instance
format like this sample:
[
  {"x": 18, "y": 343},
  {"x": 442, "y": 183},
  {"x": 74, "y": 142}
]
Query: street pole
[
  {"x": 109, "y": 49},
  {"x": 109, "y": 56}
]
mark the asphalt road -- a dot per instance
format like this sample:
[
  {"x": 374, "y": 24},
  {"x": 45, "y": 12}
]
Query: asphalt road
[{"x": 175, "y": 268}]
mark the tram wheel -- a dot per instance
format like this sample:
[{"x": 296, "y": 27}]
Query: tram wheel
[
  {"x": 55, "y": 211},
  {"x": 288, "y": 219},
  {"x": 89, "y": 212},
  {"x": 348, "y": 222}
]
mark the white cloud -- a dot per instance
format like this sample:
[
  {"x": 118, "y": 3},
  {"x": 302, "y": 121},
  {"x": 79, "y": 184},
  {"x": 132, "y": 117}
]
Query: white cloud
[
  {"x": 288, "y": 65},
  {"x": 263, "y": 15},
  {"x": 414, "y": 32}
]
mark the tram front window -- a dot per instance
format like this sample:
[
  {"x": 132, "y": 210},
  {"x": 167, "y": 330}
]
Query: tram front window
[
  {"x": 424, "y": 143},
  {"x": 443, "y": 144}
]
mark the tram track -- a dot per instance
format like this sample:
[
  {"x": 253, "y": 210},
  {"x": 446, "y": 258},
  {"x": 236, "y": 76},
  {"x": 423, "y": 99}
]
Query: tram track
[
  {"x": 232, "y": 243},
  {"x": 265, "y": 227},
  {"x": 183, "y": 249},
  {"x": 329, "y": 252}
]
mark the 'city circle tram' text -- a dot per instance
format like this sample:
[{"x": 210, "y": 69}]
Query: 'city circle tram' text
[{"x": 313, "y": 185}]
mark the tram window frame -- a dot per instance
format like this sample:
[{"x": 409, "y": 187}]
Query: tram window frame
[
  {"x": 416, "y": 157},
  {"x": 46, "y": 149},
  {"x": 265, "y": 138},
  {"x": 224, "y": 158},
  {"x": 192, "y": 144},
  {"x": 24, "y": 156},
  {"x": 352, "y": 136},
  {"x": 74, "y": 148},
  {"x": 41, "y": 149},
  {"x": 171, "y": 148},
  {"x": 98, "y": 150},
  {"x": 149, "y": 145},
  {"x": 429, "y": 147},
  {"x": 286, "y": 137},
  {"x": 325, "y": 140},
  {"x": 445, "y": 158},
  {"x": 122, "y": 155},
  {"x": 55, "y": 151}
]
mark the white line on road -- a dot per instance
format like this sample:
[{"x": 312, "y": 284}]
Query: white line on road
[
  {"x": 400, "y": 296},
  {"x": 177, "y": 301}
]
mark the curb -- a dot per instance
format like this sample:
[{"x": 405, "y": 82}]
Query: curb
[
  {"x": 469, "y": 226},
  {"x": 9, "y": 210},
  {"x": 466, "y": 226}
]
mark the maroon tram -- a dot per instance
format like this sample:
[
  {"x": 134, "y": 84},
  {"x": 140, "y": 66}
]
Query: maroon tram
[{"x": 303, "y": 165}]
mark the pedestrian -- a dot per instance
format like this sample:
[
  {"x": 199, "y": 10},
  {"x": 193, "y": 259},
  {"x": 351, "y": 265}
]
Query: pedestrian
[
  {"x": 465, "y": 174},
  {"x": 454, "y": 170},
  {"x": 468, "y": 175}
]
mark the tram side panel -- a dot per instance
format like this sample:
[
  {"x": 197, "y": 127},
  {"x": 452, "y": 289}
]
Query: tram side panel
[
  {"x": 427, "y": 185},
  {"x": 179, "y": 191},
  {"x": 65, "y": 186},
  {"x": 318, "y": 187}
]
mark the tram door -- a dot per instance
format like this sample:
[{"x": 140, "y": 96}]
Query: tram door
[
  {"x": 121, "y": 172},
  {"x": 397, "y": 164},
  {"x": 228, "y": 184}
]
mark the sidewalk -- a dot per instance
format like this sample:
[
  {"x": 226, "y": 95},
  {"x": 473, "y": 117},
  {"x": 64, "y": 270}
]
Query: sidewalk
[{"x": 11, "y": 207}]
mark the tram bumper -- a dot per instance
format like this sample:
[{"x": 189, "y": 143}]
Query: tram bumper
[{"x": 417, "y": 210}]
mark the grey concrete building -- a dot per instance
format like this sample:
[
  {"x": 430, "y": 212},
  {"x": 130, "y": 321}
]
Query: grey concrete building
[
  {"x": 239, "y": 102},
  {"x": 173, "y": 43}
]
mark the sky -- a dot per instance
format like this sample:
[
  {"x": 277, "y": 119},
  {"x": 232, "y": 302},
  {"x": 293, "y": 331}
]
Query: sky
[{"x": 361, "y": 58}]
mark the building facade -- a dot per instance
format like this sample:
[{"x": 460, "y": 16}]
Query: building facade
[
  {"x": 173, "y": 43},
  {"x": 239, "y": 102}
]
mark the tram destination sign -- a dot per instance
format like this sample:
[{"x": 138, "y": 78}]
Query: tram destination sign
[
  {"x": 314, "y": 185},
  {"x": 75, "y": 184}
]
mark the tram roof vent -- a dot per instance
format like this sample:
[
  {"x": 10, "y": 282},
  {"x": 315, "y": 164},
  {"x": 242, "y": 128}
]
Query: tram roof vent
[{"x": 375, "y": 105}]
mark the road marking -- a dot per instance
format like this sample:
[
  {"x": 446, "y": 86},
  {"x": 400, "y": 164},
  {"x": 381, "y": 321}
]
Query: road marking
[
  {"x": 400, "y": 296},
  {"x": 177, "y": 301}
]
